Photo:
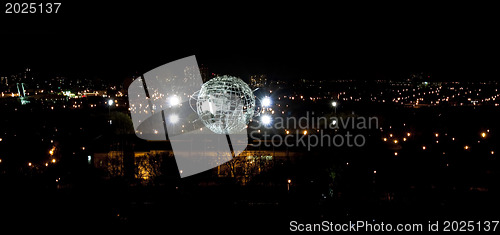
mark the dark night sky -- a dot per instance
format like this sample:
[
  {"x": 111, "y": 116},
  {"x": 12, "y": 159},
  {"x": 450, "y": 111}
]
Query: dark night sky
[{"x": 112, "y": 41}]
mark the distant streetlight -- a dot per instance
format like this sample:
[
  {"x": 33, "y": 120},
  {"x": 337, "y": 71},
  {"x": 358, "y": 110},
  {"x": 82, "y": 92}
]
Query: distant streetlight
[
  {"x": 334, "y": 105},
  {"x": 110, "y": 102}
]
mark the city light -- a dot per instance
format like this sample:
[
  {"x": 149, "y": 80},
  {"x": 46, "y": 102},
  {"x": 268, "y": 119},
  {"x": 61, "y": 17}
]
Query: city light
[
  {"x": 266, "y": 101},
  {"x": 52, "y": 150},
  {"x": 295, "y": 100},
  {"x": 266, "y": 119}
]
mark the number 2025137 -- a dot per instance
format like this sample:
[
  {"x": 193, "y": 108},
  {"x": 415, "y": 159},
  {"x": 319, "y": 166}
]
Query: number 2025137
[{"x": 32, "y": 8}]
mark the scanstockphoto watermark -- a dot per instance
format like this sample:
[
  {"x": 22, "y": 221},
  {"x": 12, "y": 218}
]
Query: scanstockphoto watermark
[{"x": 311, "y": 131}]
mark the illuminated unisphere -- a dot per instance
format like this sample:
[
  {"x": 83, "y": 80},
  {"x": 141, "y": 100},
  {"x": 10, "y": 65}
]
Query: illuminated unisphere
[{"x": 225, "y": 105}]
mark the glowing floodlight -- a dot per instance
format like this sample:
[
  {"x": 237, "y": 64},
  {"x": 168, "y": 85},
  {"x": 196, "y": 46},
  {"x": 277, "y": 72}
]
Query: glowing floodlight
[
  {"x": 173, "y": 118},
  {"x": 174, "y": 100},
  {"x": 266, "y": 101},
  {"x": 266, "y": 119}
]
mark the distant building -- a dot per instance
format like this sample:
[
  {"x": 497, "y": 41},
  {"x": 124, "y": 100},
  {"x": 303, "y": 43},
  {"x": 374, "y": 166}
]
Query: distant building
[
  {"x": 4, "y": 81},
  {"x": 258, "y": 81}
]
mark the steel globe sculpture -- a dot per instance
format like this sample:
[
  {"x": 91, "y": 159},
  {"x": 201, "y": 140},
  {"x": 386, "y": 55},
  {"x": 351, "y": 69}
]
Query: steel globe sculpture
[{"x": 225, "y": 105}]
